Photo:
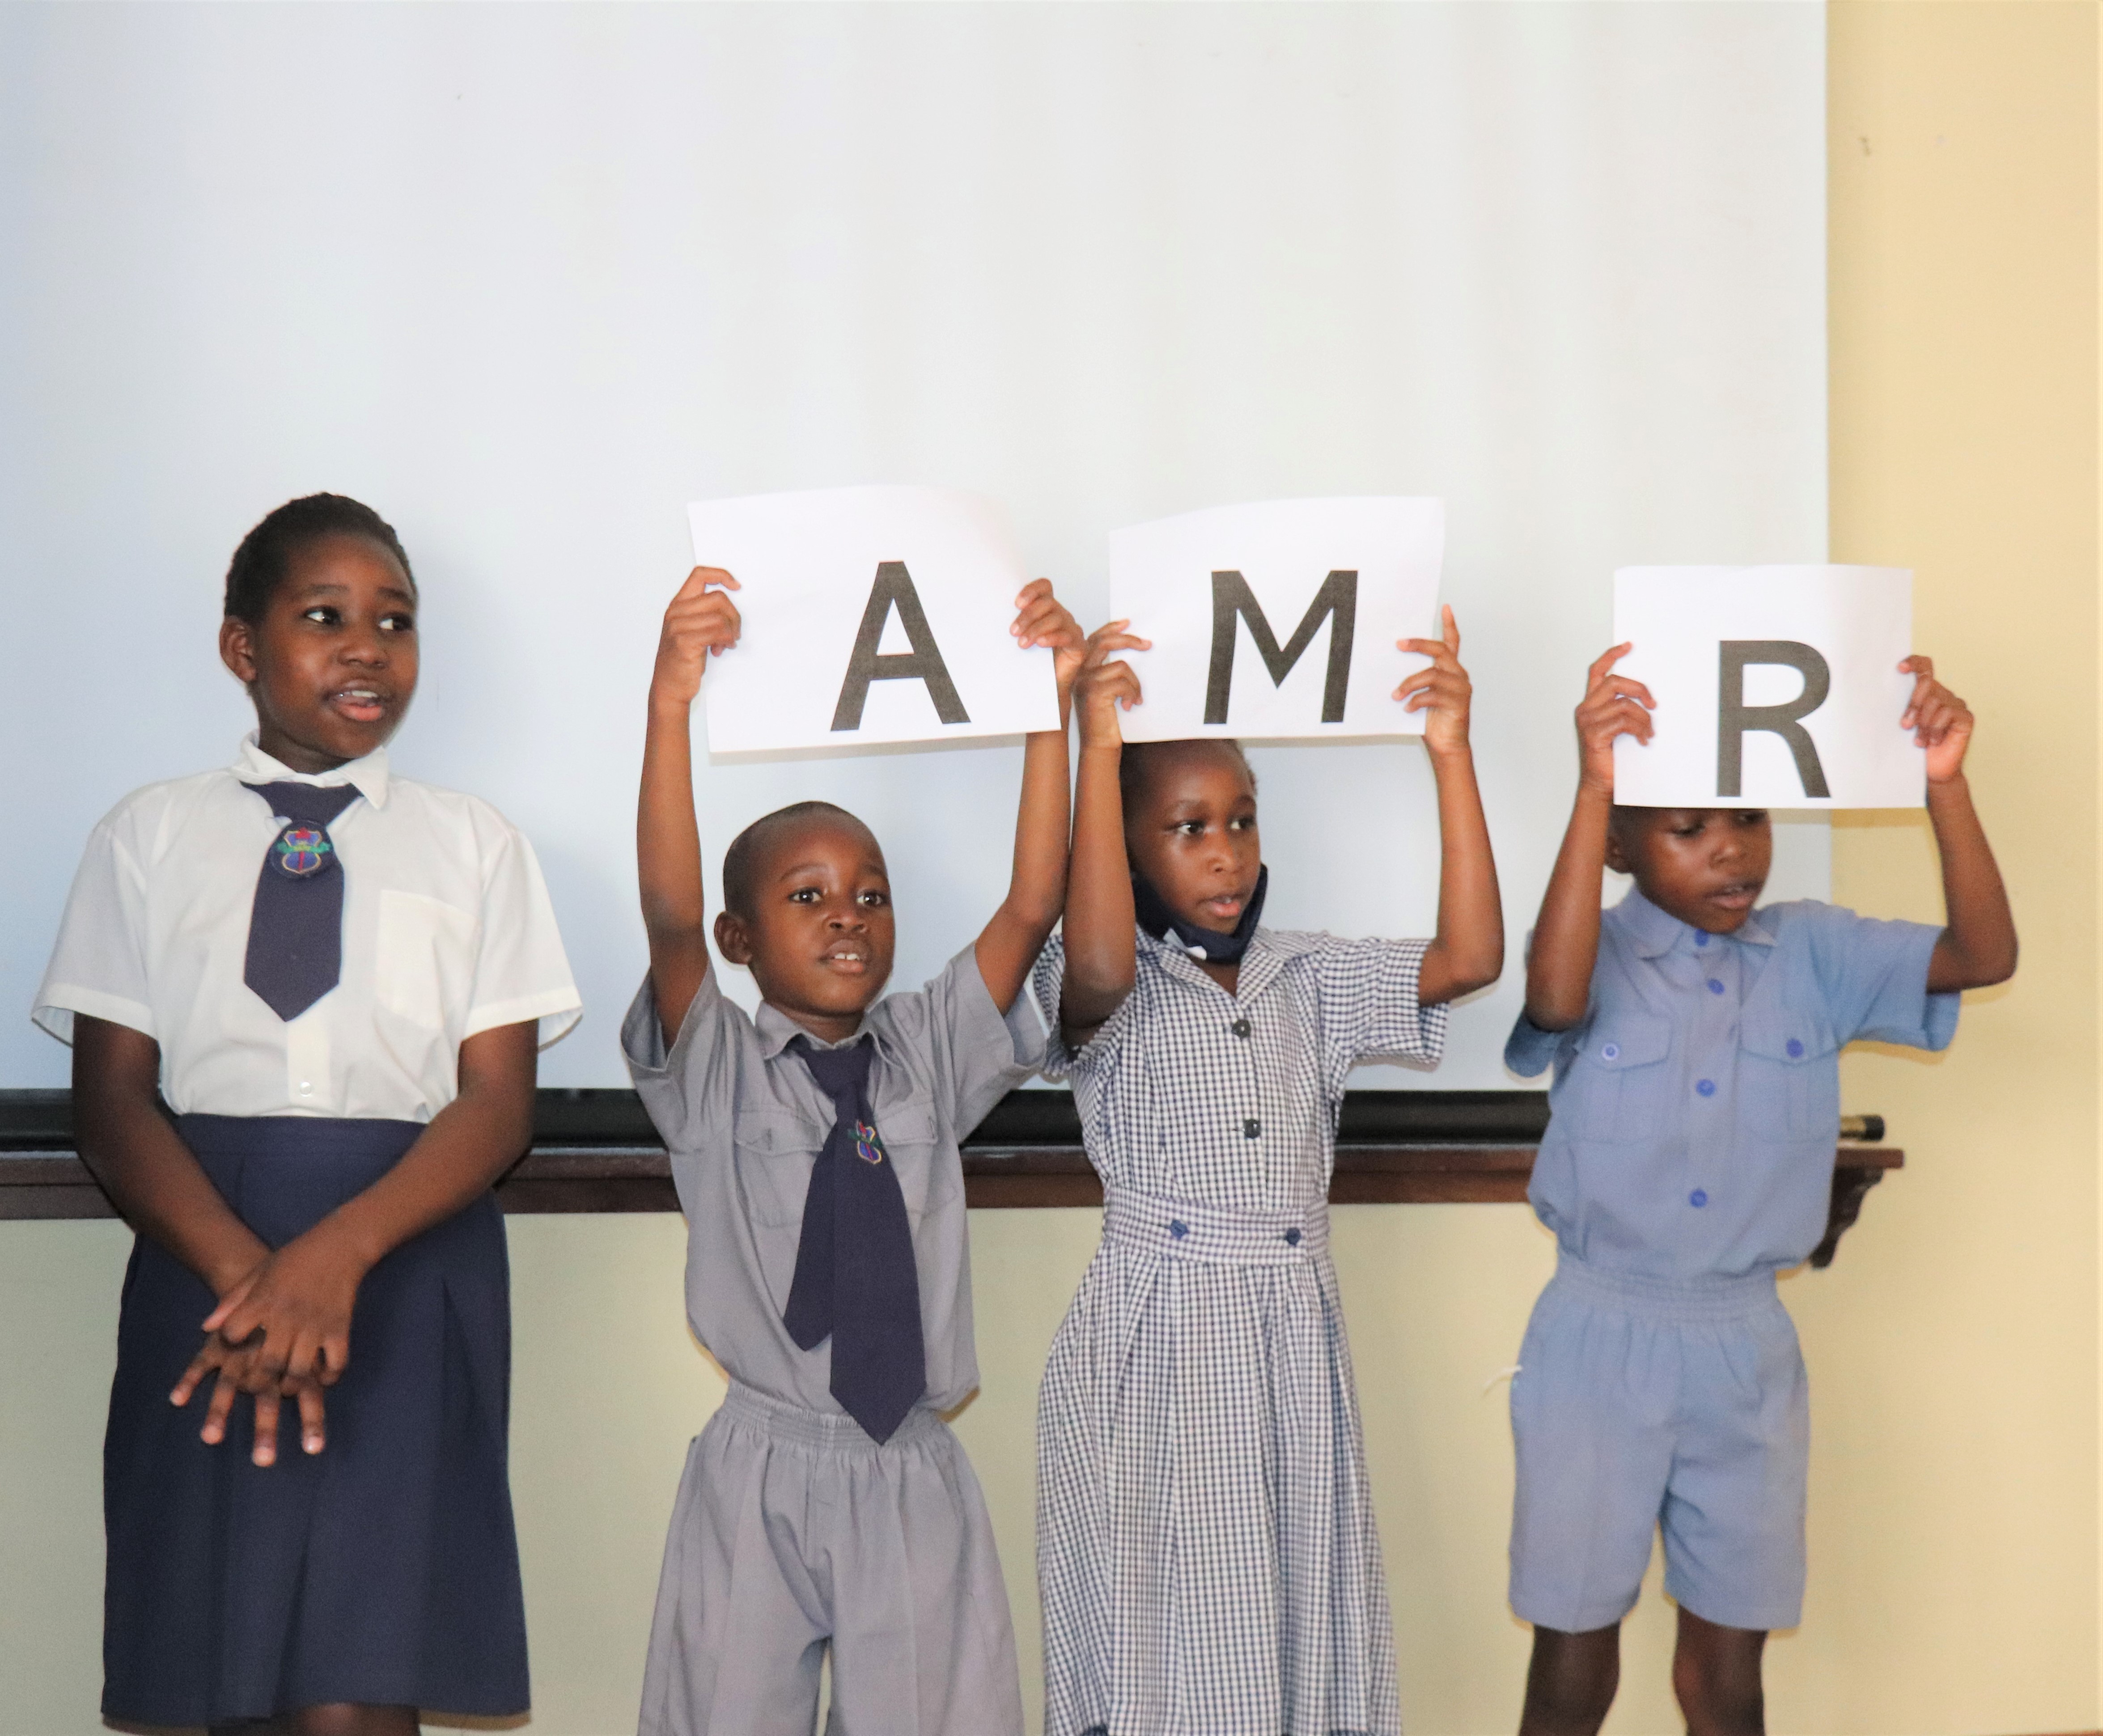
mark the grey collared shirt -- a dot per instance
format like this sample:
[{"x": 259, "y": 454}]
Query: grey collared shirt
[
  {"x": 746, "y": 1119},
  {"x": 1696, "y": 1105}
]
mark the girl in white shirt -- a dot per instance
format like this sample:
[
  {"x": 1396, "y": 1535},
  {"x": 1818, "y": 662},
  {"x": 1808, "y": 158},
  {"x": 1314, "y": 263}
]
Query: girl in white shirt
[{"x": 305, "y": 997}]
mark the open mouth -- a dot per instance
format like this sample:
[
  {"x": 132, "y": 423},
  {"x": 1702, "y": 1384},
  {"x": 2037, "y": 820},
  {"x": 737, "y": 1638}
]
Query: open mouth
[
  {"x": 1739, "y": 894},
  {"x": 360, "y": 704},
  {"x": 846, "y": 960}
]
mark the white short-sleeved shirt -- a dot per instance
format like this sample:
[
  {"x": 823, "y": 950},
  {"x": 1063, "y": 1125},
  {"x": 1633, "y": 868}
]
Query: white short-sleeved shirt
[{"x": 447, "y": 932}]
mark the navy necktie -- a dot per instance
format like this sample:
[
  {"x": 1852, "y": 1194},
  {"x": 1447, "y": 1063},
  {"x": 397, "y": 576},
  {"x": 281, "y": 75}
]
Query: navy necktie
[
  {"x": 295, "y": 925},
  {"x": 855, "y": 1275}
]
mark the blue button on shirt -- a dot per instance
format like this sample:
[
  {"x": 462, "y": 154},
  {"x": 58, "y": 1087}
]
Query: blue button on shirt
[{"x": 1670, "y": 1092}]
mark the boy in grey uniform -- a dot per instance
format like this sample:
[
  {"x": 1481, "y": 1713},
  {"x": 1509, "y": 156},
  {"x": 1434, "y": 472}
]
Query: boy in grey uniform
[
  {"x": 815, "y": 1152},
  {"x": 1688, "y": 1158}
]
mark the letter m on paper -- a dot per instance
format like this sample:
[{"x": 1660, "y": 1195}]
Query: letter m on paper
[
  {"x": 1734, "y": 717},
  {"x": 893, "y": 589},
  {"x": 1232, "y": 601}
]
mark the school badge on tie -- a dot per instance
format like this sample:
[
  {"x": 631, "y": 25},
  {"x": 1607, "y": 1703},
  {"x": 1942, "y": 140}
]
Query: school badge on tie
[
  {"x": 301, "y": 851},
  {"x": 857, "y": 1280},
  {"x": 295, "y": 953}
]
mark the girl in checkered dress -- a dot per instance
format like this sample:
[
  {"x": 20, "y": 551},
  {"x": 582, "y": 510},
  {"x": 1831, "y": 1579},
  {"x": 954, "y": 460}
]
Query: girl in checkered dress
[{"x": 1206, "y": 1549}]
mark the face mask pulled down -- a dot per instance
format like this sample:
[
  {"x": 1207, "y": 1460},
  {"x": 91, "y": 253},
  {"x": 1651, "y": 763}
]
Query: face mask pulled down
[{"x": 1205, "y": 944}]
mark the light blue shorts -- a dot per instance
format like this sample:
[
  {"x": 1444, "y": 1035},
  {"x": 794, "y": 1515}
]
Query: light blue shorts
[{"x": 1644, "y": 1406}]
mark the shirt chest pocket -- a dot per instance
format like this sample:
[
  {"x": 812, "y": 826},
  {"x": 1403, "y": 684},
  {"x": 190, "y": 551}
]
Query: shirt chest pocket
[
  {"x": 1618, "y": 1086},
  {"x": 423, "y": 960},
  {"x": 1791, "y": 1084},
  {"x": 777, "y": 1150}
]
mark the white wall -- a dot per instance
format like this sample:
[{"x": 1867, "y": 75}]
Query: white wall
[{"x": 529, "y": 279}]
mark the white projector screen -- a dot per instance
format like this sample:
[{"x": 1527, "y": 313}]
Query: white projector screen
[{"x": 529, "y": 280}]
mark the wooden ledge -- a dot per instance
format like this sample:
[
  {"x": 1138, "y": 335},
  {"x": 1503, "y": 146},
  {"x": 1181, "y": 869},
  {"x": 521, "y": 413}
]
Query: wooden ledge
[
  {"x": 639, "y": 1177},
  {"x": 594, "y": 1150}
]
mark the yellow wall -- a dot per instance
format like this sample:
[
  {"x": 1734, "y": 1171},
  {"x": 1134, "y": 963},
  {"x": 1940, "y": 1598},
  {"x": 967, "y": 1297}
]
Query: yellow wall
[
  {"x": 1953, "y": 1348},
  {"x": 1955, "y": 1364}
]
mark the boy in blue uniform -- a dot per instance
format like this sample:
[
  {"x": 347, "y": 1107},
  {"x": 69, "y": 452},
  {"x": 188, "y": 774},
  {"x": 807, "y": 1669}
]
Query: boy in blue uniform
[{"x": 1688, "y": 1158}]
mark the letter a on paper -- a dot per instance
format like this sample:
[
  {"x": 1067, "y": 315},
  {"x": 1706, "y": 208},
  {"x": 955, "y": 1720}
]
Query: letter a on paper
[
  {"x": 812, "y": 667},
  {"x": 893, "y": 589}
]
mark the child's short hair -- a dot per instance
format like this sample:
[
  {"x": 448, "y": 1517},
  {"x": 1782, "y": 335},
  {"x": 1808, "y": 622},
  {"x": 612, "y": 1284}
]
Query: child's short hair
[
  {"x": 1136, "y": 756},
  {"x": 265, "y": 557},
  {"x": 741, "y": 860}
]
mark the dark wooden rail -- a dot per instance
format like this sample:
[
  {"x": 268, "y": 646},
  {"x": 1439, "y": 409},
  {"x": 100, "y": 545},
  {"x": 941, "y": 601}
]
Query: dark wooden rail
[{"x": 595, "y": 1151}]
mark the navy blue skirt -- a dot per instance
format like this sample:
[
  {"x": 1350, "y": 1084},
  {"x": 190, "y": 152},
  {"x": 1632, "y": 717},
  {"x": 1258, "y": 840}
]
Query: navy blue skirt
[{"x": 383, "y": 1571}]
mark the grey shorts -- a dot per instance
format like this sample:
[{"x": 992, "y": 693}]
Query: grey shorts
[
  {"x": 794, "y": 1532},
  {"x": 1644, "y": 1407}
]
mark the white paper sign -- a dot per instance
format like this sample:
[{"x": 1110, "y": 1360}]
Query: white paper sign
[
  {"x": 1278, "y": 618},
  {"x": 1776, "y": 687},
  {"x": 871, "y": 614}
]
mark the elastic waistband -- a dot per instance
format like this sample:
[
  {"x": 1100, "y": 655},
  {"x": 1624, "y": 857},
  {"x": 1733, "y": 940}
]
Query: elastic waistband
[
  {"x": 1673, "y": 1298},
  {"x": 827, "y": 1432},
  {"x": 297, "y": 1137},
  {"x": 1181, "y": 1230},
  {"x": 283, "y": 1174}
]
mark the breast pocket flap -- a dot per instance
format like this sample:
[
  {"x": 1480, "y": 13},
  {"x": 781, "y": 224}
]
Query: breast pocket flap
[
  {"x": 1627, "y": 1040},
  {"x": 909, "y": 1124},
  {"x": 775, "y": 1154},
  {"x": 1791, "y": 1038},
  {"x": 776, "y": 1135}
]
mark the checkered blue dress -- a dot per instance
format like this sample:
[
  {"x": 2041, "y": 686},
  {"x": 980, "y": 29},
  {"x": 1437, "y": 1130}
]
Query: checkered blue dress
[{"x": 1205, "y": 1543}]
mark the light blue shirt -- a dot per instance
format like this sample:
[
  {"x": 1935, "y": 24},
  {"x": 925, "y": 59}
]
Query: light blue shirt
[{"x": 1696, "y": 1106}]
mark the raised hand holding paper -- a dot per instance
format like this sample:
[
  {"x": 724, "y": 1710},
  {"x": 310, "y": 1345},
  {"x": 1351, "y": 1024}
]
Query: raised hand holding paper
[
  {"x": 1278, "y": 618},
  {"x": 870, "y": 614},
  {"x": 1776, "y": 687}
]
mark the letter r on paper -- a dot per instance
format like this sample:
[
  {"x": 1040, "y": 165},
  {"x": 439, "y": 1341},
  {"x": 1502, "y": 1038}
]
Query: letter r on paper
[{"x": 1735, "y": 718}]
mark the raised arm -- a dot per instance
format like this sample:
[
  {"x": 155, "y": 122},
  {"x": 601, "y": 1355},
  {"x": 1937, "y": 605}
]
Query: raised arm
[
  {"x": 1468, "y": 952},
  {"x": 1565, "y": 940},
  {"x": 1009, "y": 943},
  {"x": 701, "y": 619},
  {"x": 1978, "y": 946},
  {"x": 1102, "y": 958}
]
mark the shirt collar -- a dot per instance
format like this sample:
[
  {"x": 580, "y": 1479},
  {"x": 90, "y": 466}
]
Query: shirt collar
[
  {"x": 1172, "y": 955},
  {"x": 1259, "y": 963},
  {"x": 253, "y": 765},
  {"x": 777, "y": 1030},
  {"x": 1655, "y": 932}
]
